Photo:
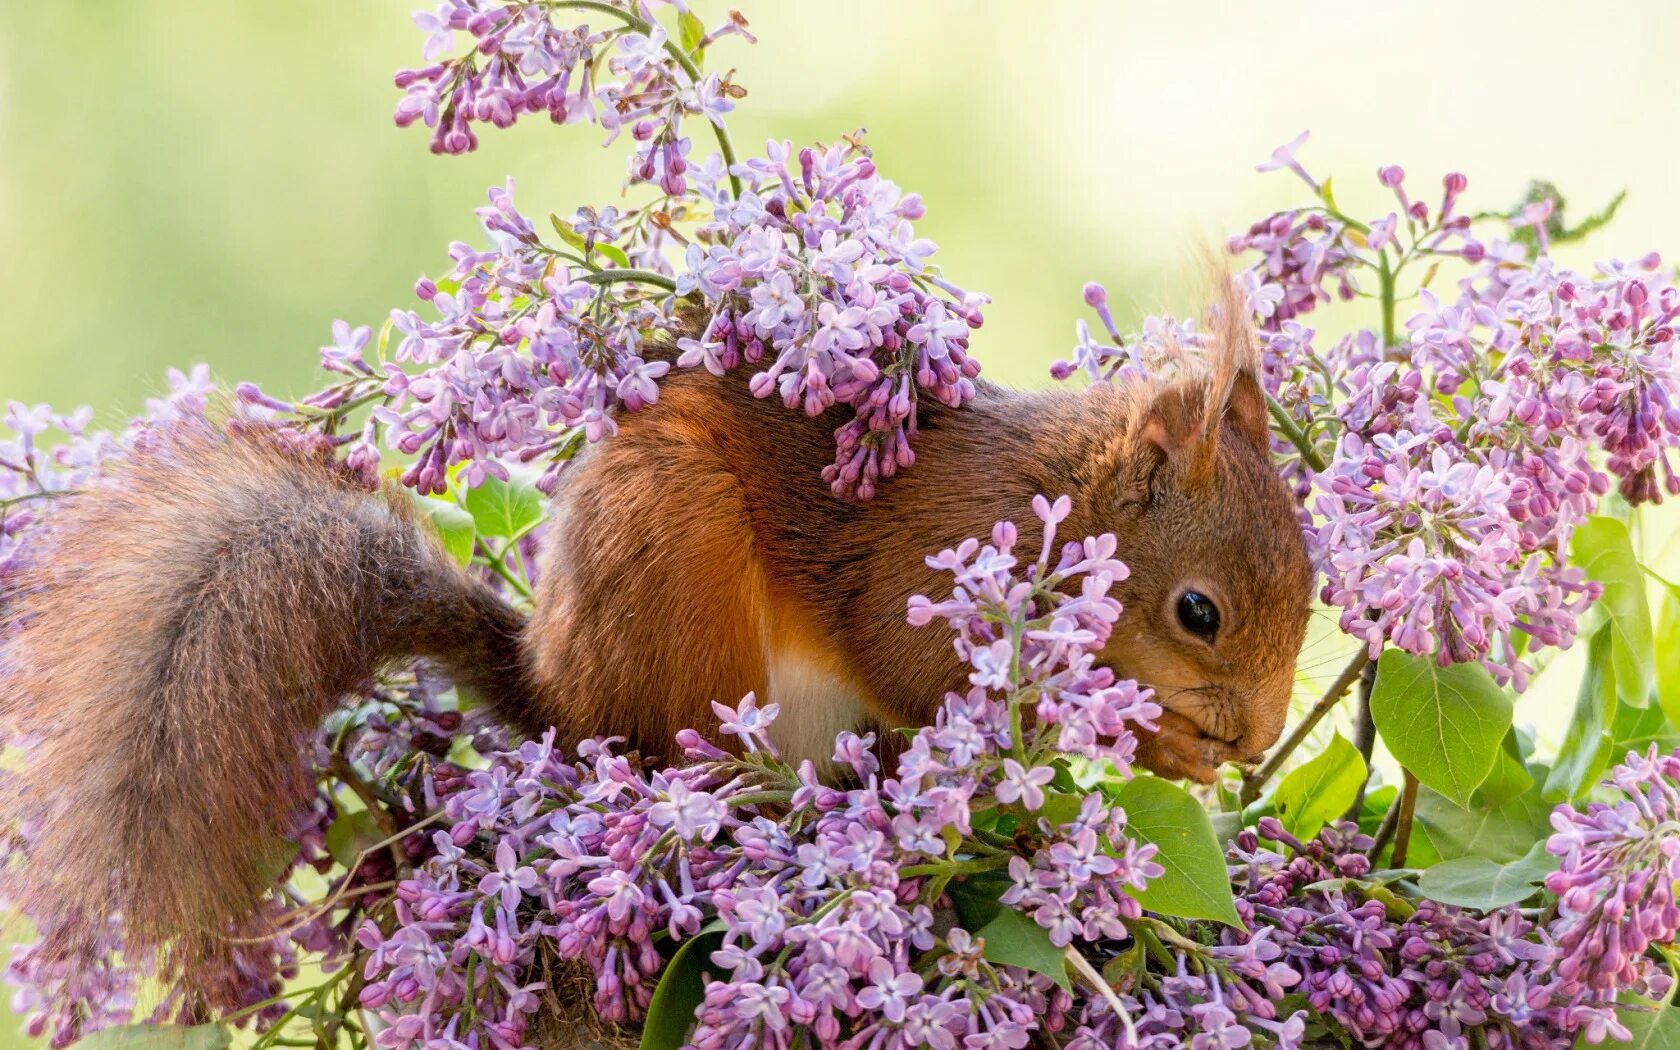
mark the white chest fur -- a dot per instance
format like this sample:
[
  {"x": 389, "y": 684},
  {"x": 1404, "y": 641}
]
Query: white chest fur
[{"x": 816, "y": 704}]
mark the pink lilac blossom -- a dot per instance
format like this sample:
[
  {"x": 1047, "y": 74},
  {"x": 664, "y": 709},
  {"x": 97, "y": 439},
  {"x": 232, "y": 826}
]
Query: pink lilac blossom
[
  {"x": 1445, "y": 458},
  {"x": 821, "y": 891},
  {"x": 1615, "y": 888},
  {"x": 803, "y": 263}
]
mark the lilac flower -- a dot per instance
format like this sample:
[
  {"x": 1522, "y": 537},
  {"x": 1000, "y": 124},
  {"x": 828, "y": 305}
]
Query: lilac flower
[
  {"x": 1616, "y": 885},
  {"x": 1023, "y": 785},
  {"x": 1284, "y": 157}
]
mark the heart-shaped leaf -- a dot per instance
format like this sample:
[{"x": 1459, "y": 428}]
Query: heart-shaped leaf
[
  {"x": 1651, "y": 1026},
  {"x": 1587, "y": 744},
  {"x": 1195, "y": 884},
  {"x": 680, "y": 991},
  {"x": 1476, "y": 882},
  {"x": 1445, "y": 724},
  {"x": 1012, "y": 939},
  {"x": 975, "y": 898},
  {"x": 1604, "y": 551},
  {"x": 506, "y": 509},
  {"x": 453, "y": 526},
  {"x": 1501, "y": 834},
  {"x": 1321, "y": 790},
  {"x": 1508, "y": 780}
]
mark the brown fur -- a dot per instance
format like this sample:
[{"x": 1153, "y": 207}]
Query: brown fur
[
  {"x": 191, "y": 620},
  {"x": 700, "y": 542},
  {"x": 697, "y": 555}
]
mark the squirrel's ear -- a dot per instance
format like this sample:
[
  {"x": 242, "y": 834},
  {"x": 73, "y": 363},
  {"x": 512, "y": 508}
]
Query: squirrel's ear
[
  {"x": 1184, "y": 420},
  {"x": 1245, "y": 407},
  {"x": 1170, "y": 431}
]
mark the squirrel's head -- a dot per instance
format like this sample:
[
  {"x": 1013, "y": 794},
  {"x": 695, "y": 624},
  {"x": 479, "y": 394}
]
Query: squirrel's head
[{"x": 1217, "y": 602}]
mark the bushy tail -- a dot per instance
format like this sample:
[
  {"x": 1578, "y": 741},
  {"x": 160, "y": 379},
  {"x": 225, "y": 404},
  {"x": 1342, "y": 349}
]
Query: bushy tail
[{"x": 180, "y": 631}]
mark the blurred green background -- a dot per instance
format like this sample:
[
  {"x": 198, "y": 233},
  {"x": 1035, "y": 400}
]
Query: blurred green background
[{"x": 185, "y": 181}]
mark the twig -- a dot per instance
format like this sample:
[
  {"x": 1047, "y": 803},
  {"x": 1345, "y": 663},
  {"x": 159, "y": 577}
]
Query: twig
[
  {"x": 1385, "y": 831},
  {"x": 1403, "y": 830},
  {"x": 346, "y": 888},
  {"x": 1095, "y": 980},
  {"x": 1364, "y": 736},
  {"x": 27, "y": 497},
  {"x": 343, "y": 770},
  {"x": 1256, "y": 780}
]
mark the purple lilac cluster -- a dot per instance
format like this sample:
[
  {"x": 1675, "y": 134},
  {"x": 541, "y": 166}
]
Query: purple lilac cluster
[
  {"x": 1615, "y": 890},
  {"x": 827, "y": 905},
  {"x": 804, "y": 262},
  {"x": 824, "y": 897},
  {"x": 628, "y": 75},
  {"x": 815, "y": 272},
  {"x": 1447, "y": 456},
  {"x": 1405, "y": 973}
]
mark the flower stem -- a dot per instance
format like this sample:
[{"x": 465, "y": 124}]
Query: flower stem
[
  {"x": 624, "y": 276},
  {"x": 1286, "y": 424},
  {"x": 1255, "y": 781},
  {"x": 759, "y": 798},
  {"x": 1385, "y": 277},
  {"x": 13, "y": 501},
  {"x": 956, "y": 867},
  {"x": 725, "y": 146}
]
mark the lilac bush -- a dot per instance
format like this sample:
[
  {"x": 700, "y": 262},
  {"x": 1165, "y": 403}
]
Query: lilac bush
[{"x": 1467, "y": 474}]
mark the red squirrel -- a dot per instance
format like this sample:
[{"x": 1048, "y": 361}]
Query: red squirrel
[{"x": 190, "y": 620}]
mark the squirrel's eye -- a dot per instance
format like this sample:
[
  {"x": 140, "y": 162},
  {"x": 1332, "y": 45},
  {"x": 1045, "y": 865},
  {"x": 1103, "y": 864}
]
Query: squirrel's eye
[{"x": 1198, "y": 614}]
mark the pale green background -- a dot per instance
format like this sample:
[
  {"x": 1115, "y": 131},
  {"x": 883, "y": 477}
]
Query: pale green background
[{"x": 217, "y": 180}]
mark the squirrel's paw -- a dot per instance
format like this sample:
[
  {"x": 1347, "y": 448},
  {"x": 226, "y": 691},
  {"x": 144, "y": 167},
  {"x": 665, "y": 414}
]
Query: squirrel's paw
[{"x": 1181, "y": 749}]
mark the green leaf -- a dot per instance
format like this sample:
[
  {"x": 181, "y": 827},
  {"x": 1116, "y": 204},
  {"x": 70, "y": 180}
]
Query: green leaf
[
  {"x": 1476, "y": 882},
  {"x": 680, "y": 991},
  {"x": 159, "y": 1037},
  {"x": 690, "y": 31},
  {"x": 1445, "y": 724},
  {"x": 1012, "y": 939},
  {"x": 975, "y": 898},
  {"x": 452, "y": 525},
  {"x": 1603, "y": 550},
  {"x": 615, "y": 253},
  {"x": 1061, "y": 807},
  {"x": 1655, "y": 1028},
  {"x": 506, "y": 509},
  {"x": 1637, "y": 728},
  {"x": 351, "y": 833},
  {"x": 1587, "y": 745},
  {"x": 1195, "y": 884},
  {"x": 1501, "y": 834},
  {"x": 1509, "y": 778},
  {"x": 1321, "y": 790},
  {"x": 572, "y": 238},
  {"x": 1668, "y": 655}
]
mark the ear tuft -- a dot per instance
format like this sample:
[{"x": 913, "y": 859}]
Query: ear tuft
[
  {"x": 1235, "y": 395},
  {"x": 1184, "y": 419}
]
